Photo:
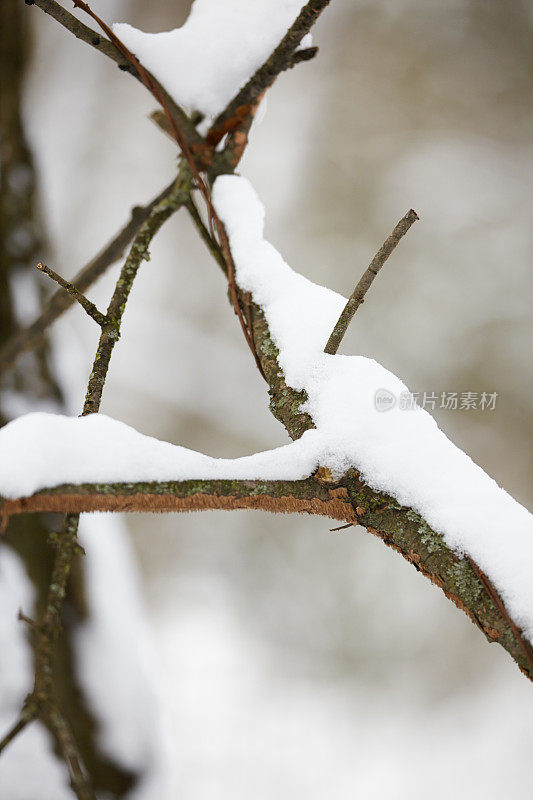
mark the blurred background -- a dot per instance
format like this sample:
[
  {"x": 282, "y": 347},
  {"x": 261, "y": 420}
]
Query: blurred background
[{"x": 294, "y": 662}]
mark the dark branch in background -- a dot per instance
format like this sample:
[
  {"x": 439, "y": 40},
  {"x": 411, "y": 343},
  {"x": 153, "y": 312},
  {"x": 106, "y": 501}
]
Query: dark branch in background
[
  {"x": 358, "y": 295},
  {"x": 27, "y": 338},
  {"x": 43, "y": 698},
  {"x": 284, "y": 56},
  {"x": 28, "y": 536}
]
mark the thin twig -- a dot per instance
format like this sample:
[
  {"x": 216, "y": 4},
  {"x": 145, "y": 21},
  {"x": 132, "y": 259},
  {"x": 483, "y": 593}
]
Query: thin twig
[
  {"x": 214, "y": 249},
  {"x": 75, "y": 293},
  {"x": 17, "y": 728},
  {"x": 281, "y": 59},
  {"x": 358, "y": 295},
  {"x": 138, "y": 253},
  {"x": 30, "y": 337}
]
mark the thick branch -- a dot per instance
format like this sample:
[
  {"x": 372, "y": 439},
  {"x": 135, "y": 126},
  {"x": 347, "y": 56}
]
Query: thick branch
[
  {"x": 349, "y": 500},
  {"x": 305, "y": 496},
  {"x": 358, "y": 295}
]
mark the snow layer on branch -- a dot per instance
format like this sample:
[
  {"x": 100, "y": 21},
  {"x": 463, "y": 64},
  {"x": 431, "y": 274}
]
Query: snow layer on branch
[
  {"x": 399, "y": 452},
  {"x": 204, "y": 63},
  {"x": 43, "y": 450}
]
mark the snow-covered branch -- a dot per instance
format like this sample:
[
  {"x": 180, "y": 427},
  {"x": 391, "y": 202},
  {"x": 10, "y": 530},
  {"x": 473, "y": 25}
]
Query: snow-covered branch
[
  {"x": 393, "y": 472},
  {"x": 462, "y": 512}
]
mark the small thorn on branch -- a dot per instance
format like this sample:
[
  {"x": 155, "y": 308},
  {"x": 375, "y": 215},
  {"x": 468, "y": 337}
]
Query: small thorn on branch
[
  {"x": 80, "y": 298},
  {"x": 358, "y": 295},
  {"x": 19, "y": 726},
  {"x": 29, "y": 622},
  {"x": 341, "y": 527},
  {"x": 305, "y": 54}
]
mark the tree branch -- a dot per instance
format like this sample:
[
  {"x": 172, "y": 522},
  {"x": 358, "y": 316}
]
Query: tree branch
[
  {"x": 358, "y": 295},
  {"x": 212, "y": 246},
  {"x": 79, "y": 780},
  {"x": 305, "y": 496},
  {"x": 76, "y": 295},
  {"x": 17, "y": 728},
  {"x": 349, "y": 500}
]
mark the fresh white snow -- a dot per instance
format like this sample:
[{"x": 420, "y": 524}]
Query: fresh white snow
[
  {"x": 41, "y": 450},
  {"x": 238, "y": 34}
]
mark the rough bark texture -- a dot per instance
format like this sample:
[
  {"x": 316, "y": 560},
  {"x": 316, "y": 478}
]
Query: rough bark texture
[
  {"x": 286, "y": 497},
  {"x": 349, "y": 500}
]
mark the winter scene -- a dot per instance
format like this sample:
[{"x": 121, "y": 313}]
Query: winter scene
[{"x": 266, "y": 399}]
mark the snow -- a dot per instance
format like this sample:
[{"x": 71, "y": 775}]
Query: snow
[
  {"x": 42, "y": 450},
  {"x": 236, "y": 34}
]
